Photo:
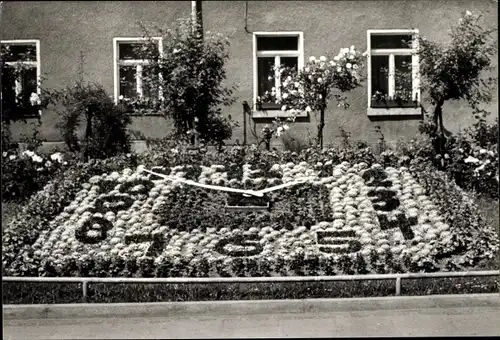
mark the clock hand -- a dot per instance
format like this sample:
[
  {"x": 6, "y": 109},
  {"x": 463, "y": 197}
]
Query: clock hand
[{"x": 207, "y": 186}]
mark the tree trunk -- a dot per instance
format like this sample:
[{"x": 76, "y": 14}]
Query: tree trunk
[
  {"x": 88, "y": 133},
  {"x": 321, "y": 125},
  {"x": 441, "y": 138}
]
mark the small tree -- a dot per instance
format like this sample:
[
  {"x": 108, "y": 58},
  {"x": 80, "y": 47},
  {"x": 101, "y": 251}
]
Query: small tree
[
  {"x": 106, "y": 123},
  {"x": 453, "y": 71},
  {"x": 189, "y": 74},
  {"x": 321, "y": 80}
]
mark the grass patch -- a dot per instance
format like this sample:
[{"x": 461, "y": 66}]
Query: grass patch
[{"x": 49, "y": 293}]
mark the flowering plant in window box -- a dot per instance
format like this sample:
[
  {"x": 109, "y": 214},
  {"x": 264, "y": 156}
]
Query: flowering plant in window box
[
  {"x": 268, "y": 101},
  {"x": 403, "y": 95},
  {"x": 141, "y": 105},
  {"x": 400, "y": 99}
]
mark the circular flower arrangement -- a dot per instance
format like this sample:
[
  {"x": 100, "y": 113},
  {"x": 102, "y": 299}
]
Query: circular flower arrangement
[{"x": 357, "y": 219}]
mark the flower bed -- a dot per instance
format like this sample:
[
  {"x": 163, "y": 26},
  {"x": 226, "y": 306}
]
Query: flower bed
[{"x": 344, "y": 219}]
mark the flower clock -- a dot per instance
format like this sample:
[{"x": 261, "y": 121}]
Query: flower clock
[{"x": 347, "y": 218}]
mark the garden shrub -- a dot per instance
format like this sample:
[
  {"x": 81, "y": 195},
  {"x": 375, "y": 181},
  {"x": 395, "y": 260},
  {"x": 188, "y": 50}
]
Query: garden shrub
[
  {"x": 24, "y": 173},
  {"x": 106, "y": 123},
  {"x": 190, "y": 72},
  {"x": 472, "y": 236}
]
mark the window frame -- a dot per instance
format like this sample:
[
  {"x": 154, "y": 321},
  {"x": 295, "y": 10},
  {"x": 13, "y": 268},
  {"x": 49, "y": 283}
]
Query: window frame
[
  {"x": 391, "y": 53},
  {"x": 36, "y": 64},
  {"x": 299, "y": 53},
  {"x": 131, "y": 62}
]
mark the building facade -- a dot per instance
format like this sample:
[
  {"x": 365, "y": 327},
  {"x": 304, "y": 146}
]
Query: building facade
[{"x": 261, "y": 33}]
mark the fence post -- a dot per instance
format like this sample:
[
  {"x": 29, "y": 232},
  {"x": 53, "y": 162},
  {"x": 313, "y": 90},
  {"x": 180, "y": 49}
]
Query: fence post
[
  {"x": 398, "y": 286},
  {"x": 85, "y": 289}
]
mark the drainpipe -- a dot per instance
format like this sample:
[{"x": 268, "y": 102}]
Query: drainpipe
[
  {"x": 197, "y": 17},
  {"x": 246, "y": 17}
]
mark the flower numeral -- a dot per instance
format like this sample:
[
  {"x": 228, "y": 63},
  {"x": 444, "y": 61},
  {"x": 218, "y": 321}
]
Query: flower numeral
[
  {"x": 384, "y": 200},
  {"x": 244, "y": 246},
  {"x": 339, "y": 242},
  {"x": 113, "y": 203},
  {"x": 158, "y": 242},
  {"x": 98, "y": 226}
]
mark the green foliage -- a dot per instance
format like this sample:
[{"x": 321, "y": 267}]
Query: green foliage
[
  {"x": 471, "y": 157},
  {"x": 106, "y": 124},
  {"x": 25, "y": 173},
  {"x": 190, "y": 73},
  {"x": 472, "y": 236},
  {"x": 454, "y": 70}
]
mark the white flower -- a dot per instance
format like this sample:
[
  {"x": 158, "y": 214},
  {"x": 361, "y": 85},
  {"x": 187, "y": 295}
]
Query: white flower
[
  {"x": 482, "y": 151},
  {"x": 57, "y": 157},
  {"x": 339, "y": 69},
  {"x": 355, "y": 66},
  {"x": 471, "y": 159},
  {"x": 351, "y": 57},
  {"x": 12, "y": 157},
  {"x": 348, "y": 65},
  {"x": 34, "y": 99},
  {"x": 468, "y": 13},
  {"x": 289, "y": 78},
  {"x": 48, "y": 163},
  {"x": 279, "y": 130},
  {"x": 312, "y": 58},
  {"x": 28, "y": 153},
  {"x": 336, "y": 58},
  {"x": 306, "y": 69},
  {"x": 4, "y": 154},
  {"x": 344, "y": 50},
  {"x": 285, "y": 127},
  {"x": 174, "y": 150},
  {"x": 283, "y": 108},
  {"x": 320, "y": 80},
  {"x": 365, "y": 53},
  {"x": 120, "y": 97},
  {"x": 285, "y": 95},
  {"x": 332, "y": 63},
  {"x": 308, "y": 109},
  {"x": 296, "y": 84},
  {"x": 176, "y": 50},
  {"x": 322, "y": 58},
  {"x": 37, "y": 159}
]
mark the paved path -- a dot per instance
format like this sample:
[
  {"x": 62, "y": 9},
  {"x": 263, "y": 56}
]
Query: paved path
[{"x": 405, "y": 316}]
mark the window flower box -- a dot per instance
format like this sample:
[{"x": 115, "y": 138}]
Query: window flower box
[{"x": 392, "y": 103}]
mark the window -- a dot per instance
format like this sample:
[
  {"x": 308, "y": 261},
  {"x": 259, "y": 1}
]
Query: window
[
  {"x": 130, "y": 70},
  {"x": 393, "y": 80},
  {"x": 272, "y": 50},
  {"x": 20, "y": 76}
]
